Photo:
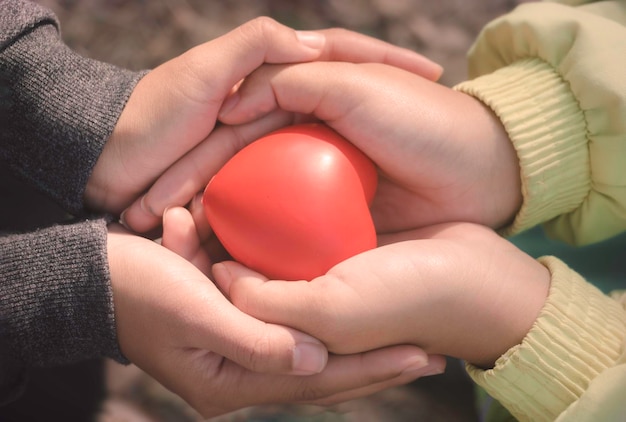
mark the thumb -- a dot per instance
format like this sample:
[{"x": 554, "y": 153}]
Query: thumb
[
  {"x": 274, "y": 301},
  {"x": 263, "y": 347}
]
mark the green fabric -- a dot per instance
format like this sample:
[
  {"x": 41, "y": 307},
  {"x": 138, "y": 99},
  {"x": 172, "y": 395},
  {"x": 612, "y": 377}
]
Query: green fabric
[{"x": 579, "y": 94}]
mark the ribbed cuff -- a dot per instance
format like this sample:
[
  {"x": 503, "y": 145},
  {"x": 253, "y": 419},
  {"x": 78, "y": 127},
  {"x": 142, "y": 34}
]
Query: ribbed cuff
[
  {"x": 548, "y": 130},
  {"x": 578, "y": 334},
  {"x": 56, "y": 300}
]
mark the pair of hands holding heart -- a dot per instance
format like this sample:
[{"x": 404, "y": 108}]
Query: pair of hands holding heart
[
  {"x": 171, "y": 319},
  {"x": 440, "y": 278},
  {"x": 445, "y": 287}
]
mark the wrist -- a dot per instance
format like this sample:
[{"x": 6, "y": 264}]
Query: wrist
[
  {"x": 512, "y": 312},
  {"x": 111, "y": 186},
  {"x": 548, "y": 132},
  {"x": 500, "y": 170},
  {"x": 578, "y": 334}
]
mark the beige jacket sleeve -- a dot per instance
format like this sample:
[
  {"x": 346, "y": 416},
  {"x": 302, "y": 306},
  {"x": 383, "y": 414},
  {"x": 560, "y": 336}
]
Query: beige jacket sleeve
[
  {"x": 555, "y": 74},
  {"x": 571, "y": 365}
]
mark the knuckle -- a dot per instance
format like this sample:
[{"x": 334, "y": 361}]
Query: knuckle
[
  {"x": 242, "y": 299},
  {"x": 253, "y": 356},
  {"x": 330, "y": 321},
  {"x": 338, "y": 31},
  {"x": 309, "y": 393},
  {"x": 262, "y": 354},
  {"x": 261, "y": 27}
]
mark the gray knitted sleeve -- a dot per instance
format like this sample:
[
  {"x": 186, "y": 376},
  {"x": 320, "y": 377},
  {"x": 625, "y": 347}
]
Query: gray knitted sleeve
[
  {"x": 56, "y": 111},
  {"x": 57, "y": 108},
  {"x": 55, "y": 300}
]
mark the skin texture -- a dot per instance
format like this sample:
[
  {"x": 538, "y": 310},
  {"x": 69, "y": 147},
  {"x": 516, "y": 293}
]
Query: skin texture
[
  {"x": 175, "y": 324},
  {"x": 174, "y": 108}
]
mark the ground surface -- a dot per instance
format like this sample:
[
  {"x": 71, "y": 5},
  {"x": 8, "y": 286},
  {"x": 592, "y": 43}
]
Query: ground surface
[{"x": 141, "y": 34}]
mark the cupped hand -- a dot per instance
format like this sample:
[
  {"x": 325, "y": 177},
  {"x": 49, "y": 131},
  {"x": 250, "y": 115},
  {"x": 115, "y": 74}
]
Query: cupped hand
[
  {"x": 443, "y": 155},
  {"x": 456, "y": 289},
  {"x": 175, "y": 106},
  {"x": 175, "y": 324}
]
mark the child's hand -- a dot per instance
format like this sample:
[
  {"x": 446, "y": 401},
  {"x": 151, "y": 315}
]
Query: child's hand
[
  {"x": 453, "y": 289},
  {"x": 175, "y": 324},
  {"x": 175, "y": 106},
  {"x": 444, "y": 156}
]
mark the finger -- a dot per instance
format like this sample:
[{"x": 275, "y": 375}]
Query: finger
[
  {"x": 436, "y": 365},
  {"x": 273, "y": 300},
  {"x": 179, "y": 233},
  {"x": 197, "y": 212},
  {"x": 254, "y": 344},
  {"x": 242, "y": 50},
  {"x": 263, "y": 40},
  {"x": 349, "y": 46},
  {"x": 345, "y": 378},
  {"x": 181, "y": 237},
  {"x": 189, "y": 175},
  {"x": 321, "y": 89},
  {"x": 210, "y": 243},
  {"x": 343, "y": 308}
]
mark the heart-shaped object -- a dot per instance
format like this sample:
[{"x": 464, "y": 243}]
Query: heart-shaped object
[{"x": 294, "y": 203}]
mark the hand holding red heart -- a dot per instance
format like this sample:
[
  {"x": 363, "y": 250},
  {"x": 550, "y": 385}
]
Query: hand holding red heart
[
  {"x": 294, "y": 203},
  {"x": 455, "y": 289},
  {"x": 443, "y": 155}
]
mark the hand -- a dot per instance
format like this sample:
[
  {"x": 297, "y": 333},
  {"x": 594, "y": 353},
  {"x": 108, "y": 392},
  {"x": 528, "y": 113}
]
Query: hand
[
  {"x": 458, "y": 289},
  {"x": 443, "y": 155},
  {"x": 174, "y": 323},
  {"x": 174, "y": 107}
]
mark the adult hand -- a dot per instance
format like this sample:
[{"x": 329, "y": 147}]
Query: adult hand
[
  {"x": 174, "y": 107},
  {"x": 458, "y": 289},
  {"x": 176, "y": 325},
  {"x": 443, "y": 155}
]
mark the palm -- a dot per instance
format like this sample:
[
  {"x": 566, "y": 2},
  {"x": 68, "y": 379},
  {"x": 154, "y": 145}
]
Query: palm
[{"x": 404, "y": 207}]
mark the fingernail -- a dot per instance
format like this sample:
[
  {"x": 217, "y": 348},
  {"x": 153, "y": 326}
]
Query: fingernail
[
  {"x": 309, "y": 359},
  {"x": 123, "y": 219},
  {"x": 229, "y": 103},
  {"x": 425, "y": 368},
  {"x": 437, "y": 72},
  {"x": 416, "y": 363},
  {"x": 311, "y": 39},
  {"x": 434, "y": 369}
]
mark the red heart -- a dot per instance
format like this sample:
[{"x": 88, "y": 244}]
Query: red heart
[{"x": 294, "y": 203}]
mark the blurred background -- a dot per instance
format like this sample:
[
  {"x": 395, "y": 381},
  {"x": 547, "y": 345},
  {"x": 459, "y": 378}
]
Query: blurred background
[{"x": 140, "y": 34}]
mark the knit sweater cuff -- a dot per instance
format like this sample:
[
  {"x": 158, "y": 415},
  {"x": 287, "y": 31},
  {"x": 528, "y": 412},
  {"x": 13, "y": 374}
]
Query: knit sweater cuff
[
  {"x": 547, "y": 128},
  {"x": 56, "y": 301},
  {"x": 57, "y": 108},
  {"x": 578, "y": 334}
]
